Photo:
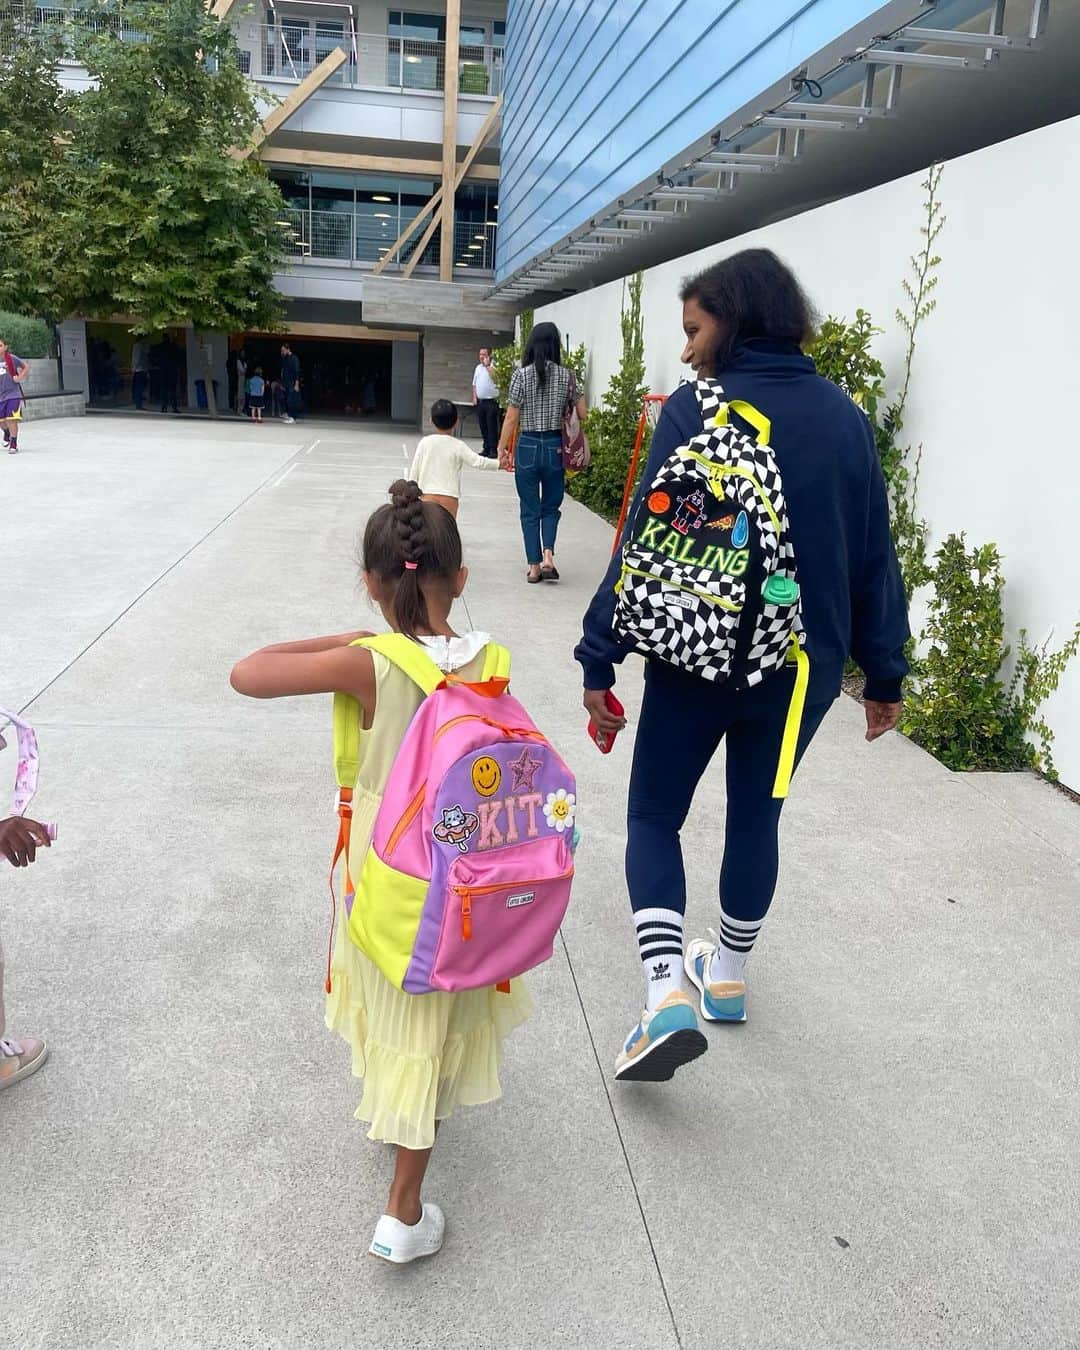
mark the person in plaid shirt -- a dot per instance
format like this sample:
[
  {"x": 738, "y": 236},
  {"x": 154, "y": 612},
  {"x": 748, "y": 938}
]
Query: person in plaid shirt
[{"x": 540, "y": 390}]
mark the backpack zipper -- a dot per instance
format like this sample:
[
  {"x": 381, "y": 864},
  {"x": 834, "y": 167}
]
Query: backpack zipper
[
  {"x": 704, "y": 595},
  {"x": 467, "y": 893},
  {"x": 719, "y": 471}
]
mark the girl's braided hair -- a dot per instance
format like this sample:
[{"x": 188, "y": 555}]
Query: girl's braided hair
[{"x": 406, "y": 542}]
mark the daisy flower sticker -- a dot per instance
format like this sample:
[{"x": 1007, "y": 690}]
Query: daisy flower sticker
[{"x": 559, "y": 810}]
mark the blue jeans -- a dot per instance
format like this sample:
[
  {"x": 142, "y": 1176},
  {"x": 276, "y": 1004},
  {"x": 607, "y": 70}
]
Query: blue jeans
[
  {"x": 683, "y": 720},
  {"x": 541, "y": 485}
]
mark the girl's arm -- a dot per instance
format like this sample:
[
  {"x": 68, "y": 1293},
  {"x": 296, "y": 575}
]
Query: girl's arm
[{"x": 322, "y": 665}]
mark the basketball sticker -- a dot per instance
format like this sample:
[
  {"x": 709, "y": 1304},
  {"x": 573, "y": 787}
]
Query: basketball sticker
[{"x": 658, "y": 503}]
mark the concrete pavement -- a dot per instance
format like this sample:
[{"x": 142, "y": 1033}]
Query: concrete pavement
[{"x": 884, "y": 1156}]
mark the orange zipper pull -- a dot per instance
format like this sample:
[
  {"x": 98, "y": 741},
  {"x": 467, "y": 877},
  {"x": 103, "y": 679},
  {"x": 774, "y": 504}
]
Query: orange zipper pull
[{"x": 466, "y": 915}]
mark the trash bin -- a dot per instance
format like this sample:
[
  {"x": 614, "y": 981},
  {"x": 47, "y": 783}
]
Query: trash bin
[{"x": 200, "y": 394}]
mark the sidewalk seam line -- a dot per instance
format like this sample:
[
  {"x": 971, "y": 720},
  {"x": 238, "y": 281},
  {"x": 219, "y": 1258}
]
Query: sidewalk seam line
[
  {"x": 622, "y": 1142},
  {"x": 1010, "y": 814},
  {"x": 147, "y": 589}
]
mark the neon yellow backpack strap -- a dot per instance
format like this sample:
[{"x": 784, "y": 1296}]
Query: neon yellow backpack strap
[
  {"x": 793, "y": 724},
  {"x": 496, "y": 663},
  {"x": 401, "y": 652},
  {"x": 411, "y": 660}
]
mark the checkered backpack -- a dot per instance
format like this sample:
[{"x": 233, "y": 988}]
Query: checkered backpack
[{"x": 708, "y": 578}]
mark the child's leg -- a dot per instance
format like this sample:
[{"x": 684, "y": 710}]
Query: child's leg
[{"x": 410, "y": 1168}]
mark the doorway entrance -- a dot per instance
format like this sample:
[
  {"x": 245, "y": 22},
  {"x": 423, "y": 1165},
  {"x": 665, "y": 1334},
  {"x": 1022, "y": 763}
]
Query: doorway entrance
[{"x": 339, "y": 377}]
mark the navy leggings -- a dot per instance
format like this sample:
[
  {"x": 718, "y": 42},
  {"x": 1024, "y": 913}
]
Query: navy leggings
[{"x": 683, "y": 720}]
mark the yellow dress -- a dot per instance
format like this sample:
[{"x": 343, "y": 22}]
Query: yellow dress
[{"x": 420, "y": 1055}]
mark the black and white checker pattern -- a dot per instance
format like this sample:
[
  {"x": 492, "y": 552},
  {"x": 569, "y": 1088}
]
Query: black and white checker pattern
[{"x": 660, "y": 614}]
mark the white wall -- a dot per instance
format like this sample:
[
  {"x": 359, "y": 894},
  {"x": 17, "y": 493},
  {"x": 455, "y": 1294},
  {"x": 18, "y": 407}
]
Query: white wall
[{"x": 995, "y": 374}]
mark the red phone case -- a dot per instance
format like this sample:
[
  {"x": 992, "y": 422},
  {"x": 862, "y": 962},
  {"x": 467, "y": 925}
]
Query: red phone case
[{"x": 604, "y": 742}]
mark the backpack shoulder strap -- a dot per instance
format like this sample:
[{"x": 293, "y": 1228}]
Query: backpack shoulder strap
[
  {"x": 496, "y": 663},
  {"x": 710, "y": 397},
  {"x": 412, "y": 661},
  {"x": 408, "y": 657}
]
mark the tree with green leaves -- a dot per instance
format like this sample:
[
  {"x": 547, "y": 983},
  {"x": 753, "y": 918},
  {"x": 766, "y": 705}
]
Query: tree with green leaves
[
  {"x": 162, "y": 222},
  {"x": 32, "y": 132},
  {"x": 146, "y": 212}
]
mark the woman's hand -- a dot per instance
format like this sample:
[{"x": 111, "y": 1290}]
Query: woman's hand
[
  {"x": 880, "y": 718},
  {"x": 605, "y": 721}
]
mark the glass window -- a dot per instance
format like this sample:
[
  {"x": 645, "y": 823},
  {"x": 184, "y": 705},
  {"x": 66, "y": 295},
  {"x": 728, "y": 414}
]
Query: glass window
[
  {"x": 405, "y": 23},
  {"x": 416, "y": 50},
  {"x": 295, "y": 187}
]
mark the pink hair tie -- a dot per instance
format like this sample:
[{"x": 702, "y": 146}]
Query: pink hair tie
[{"x": 411, "y": 567}]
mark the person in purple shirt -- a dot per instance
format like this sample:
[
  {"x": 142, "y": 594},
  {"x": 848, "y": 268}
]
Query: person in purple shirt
[{"x": 13, "y": 369}]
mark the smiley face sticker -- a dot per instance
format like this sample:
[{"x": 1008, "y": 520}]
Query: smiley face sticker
[{"x": 486, "y": 776}]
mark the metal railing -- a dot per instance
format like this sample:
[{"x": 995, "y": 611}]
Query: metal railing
[
  {"x": 352, "y": 236},
  {"x": 290, "y": 50},
  {"x": 61, "y": 17}
]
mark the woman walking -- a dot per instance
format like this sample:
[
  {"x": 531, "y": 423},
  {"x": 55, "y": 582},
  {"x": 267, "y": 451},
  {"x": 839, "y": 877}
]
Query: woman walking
[
  {"x": 745, "y": 320},
  {"x": 540, "y": 390}
]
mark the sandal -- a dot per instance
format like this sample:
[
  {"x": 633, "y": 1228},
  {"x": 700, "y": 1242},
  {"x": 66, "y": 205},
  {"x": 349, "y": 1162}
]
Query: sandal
[
  {"x": 536, "y": 580},
  {"x": 549, "y": 573}
]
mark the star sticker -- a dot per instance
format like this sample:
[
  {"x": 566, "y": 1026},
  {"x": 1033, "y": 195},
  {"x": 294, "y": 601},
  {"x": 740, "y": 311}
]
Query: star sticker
[{"x": 524, "y": 770}]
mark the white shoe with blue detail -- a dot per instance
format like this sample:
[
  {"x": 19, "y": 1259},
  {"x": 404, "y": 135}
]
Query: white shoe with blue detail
[
  {"x": 663, "y": 1041},
  {"x": 401, "y": 1243},
  {"x": 723, "y": 1000}
]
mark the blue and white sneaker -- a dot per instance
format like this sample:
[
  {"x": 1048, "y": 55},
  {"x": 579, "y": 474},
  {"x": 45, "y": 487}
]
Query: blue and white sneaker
[
  {"x": 723, "y": 1000},
  {"x": 662, "y": 1042}
]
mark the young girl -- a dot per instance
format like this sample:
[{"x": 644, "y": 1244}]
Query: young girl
[{"x": 420, "y": 1055}]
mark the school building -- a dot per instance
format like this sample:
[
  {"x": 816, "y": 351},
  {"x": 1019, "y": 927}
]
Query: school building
[{"x": 383, "y": 134}]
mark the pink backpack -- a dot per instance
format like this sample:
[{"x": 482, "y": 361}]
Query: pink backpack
[{"x": 468, "y": 874}]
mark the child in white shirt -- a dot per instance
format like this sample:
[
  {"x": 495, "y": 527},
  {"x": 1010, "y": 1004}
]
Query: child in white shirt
[{"x": 439, "y": 459}]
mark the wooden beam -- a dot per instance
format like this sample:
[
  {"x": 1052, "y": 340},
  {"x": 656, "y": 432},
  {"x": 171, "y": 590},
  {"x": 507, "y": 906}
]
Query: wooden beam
[
  {"x": 352, "y": 332},
  {"x": 482, "y": 137},
  {"x": 332, "y": 159},
  {"x": 300, "y": 95},
  {"x": 449, "y": 134},
  {"x": 407, "y": 233},
  {"x": 410, "y": 266}
]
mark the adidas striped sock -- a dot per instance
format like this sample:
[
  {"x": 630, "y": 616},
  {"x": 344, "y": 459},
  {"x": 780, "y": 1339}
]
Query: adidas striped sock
[
  {"x": 660, "y": 943},
  {"x": 737, "y": 938}
]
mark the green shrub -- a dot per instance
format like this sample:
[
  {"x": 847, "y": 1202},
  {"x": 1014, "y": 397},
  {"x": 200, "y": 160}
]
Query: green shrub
[
  {"x": 27, "y": 337},
  {"x": 957, "y": 705},
  {"x": 504, "y": 360},
  {"x": 612, "y": 426}
]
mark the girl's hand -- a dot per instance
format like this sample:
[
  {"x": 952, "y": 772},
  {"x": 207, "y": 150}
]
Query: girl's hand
[{"x": 20, "y": 839}]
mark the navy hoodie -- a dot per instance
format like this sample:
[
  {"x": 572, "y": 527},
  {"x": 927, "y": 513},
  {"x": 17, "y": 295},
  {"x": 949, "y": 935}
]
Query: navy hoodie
[{"x": 852, "y": 595}]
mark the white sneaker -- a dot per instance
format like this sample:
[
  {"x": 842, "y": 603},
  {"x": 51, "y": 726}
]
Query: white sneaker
[
  {"x": 720, "y": 1002},
  {"x": 401, "y": 1242},
  {"x": 289, "y": 420}
]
